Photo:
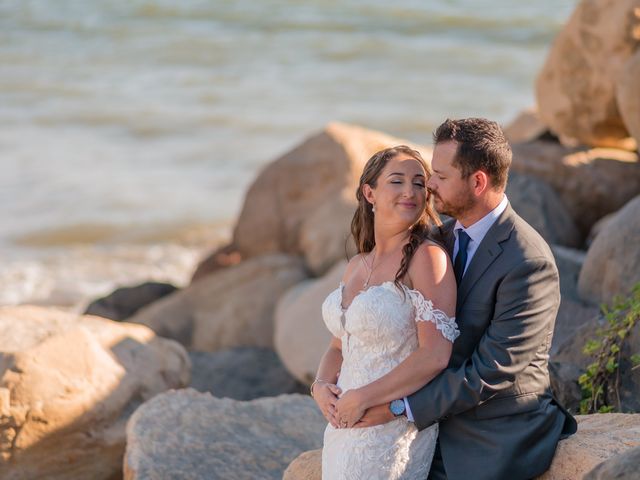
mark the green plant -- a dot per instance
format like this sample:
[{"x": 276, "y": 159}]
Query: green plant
[{"x": 600, "y": 382}]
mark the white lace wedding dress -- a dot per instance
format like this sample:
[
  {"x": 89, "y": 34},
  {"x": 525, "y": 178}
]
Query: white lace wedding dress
[{"x": 378, "y": 332}]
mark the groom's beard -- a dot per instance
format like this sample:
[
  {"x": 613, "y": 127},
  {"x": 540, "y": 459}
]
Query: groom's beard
[{"x": 455, "y": 207}]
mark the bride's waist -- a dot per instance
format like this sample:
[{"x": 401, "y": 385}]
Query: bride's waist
[{"x": 360, "y": 373}]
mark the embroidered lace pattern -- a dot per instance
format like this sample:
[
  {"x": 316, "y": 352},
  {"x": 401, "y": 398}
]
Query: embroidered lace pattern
[{"x": 378, "y": 331}]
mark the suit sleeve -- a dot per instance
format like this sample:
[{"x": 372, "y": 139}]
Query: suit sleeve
[{"x": 527, "y": 300}]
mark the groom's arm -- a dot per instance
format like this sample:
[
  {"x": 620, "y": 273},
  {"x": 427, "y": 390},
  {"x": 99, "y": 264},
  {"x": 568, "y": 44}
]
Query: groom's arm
[{"x": 526, "y": 305}]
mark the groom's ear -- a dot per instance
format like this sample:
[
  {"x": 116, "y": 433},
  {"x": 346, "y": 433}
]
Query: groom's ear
[{"x": 480, "y": 182}]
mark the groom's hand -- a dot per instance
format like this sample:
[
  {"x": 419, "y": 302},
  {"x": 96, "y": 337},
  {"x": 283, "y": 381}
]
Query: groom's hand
[{"x": 375, "y": 416}]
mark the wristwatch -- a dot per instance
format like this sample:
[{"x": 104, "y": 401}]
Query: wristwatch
[{"x": 397, "y": 407}]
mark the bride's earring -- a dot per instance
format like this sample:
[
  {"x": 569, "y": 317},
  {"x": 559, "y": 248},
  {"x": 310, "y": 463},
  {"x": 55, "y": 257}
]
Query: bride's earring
[{"x": 373, "y": 208}]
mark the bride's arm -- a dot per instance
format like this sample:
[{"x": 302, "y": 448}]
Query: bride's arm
[{"x": 432, "y": 275}]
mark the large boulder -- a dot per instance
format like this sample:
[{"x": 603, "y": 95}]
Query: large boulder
[
  {"x": 599, "y": 437},
  {"x": 623, "y": 466},
  {"x": 186, "y": 434},
  {"x": 535, "y": 201},
  {"x": 612, "y": 265},
  {"x": 69, "y": 384},
  {"x": 576, "y": 88},
  {"x": 230, "y": 308},
  {"x": 628, "y": 95},
  {"x": 126, "y": 301},
  {"x": 525, "y": 127},
  {"x": 242, "y": 373},
  {"x": 307, "y": 466},
  {"x": 590, "y": 182},
  {"x": 290, "y": 190},
  {"x": 301, "y": 337}
]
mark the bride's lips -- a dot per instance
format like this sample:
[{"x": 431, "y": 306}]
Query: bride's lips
[{"x": 407, "y": 204}]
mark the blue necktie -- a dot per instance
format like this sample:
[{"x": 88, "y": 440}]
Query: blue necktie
[{"x": 461, "y": 257}]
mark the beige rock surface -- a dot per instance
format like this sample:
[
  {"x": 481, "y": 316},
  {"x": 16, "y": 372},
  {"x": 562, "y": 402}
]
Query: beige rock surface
[
  {"x": 599, "y": 437},
  {"x": 612, "y": 265},
  {"x": 307, "y": 466},
  {"x": 301, "y": 336},
  {"x": 576, "y": 88},
  {"x": 525, "y": 127},
  {"x": 186, "y": 434},
  {"x": 628, "y": 95},
  {"x": 232, "y": 307},
  {"x": 535, "y": 201},
  {"x": 623, "y": 466},
  {"x": 69, "y": 384},
  {"x": 590, "y": 182},
  {"x": 289, "y": 190}
]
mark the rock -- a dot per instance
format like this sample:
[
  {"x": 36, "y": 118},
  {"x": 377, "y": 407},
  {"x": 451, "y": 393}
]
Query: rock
[
  {"x": 69, "y": 384},
  {"x": 576, "y": 88},
  {"x": 599, "y": 437},
  {"x": 623, "y": 466},
  {"x": 628, "y": 96},
  {"x": 569, "y": 262},
  {"x": 565, "y": 386},
  {"x": 590, "y": 182},
  {"x": 186, "y": 434},
  {"x": 612, "y": 265},
  {"x": 536, "y": 202},
  {"x": 229, "y": 308},
  {"x": 126, "y": 301},
  {"x": 525, "y": 127},
  {"x": 290, "y": 190},
  {"x": 600, "y": 226},
  {"x": 325, "y": 236},
  {"x": 242, "y": 373},
  {"x": 301, "y": 337},
  {"x": 308, "y": 466},
  {"x": 223, "y": 257}
]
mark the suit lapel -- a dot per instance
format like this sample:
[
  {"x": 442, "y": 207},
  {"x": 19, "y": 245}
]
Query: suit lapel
[{"x": 488, "y": 251}]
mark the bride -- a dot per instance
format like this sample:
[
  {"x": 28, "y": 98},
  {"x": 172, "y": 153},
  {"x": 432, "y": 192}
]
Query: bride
[{"x": 392, "y": 326}]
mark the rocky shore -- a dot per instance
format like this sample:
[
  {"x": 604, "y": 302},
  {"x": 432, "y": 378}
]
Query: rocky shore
[{"x": 107, "y": 397}]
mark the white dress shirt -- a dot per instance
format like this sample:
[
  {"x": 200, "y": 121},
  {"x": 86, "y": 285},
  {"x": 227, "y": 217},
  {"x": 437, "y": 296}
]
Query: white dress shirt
[{"x": 476, "y": 233}]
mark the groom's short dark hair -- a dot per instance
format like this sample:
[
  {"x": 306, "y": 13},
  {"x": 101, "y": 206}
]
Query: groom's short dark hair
[{"x": 481, "y": 146}]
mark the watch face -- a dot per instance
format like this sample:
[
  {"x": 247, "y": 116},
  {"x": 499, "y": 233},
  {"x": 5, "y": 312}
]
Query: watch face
[{"x": 397, "y": 407}]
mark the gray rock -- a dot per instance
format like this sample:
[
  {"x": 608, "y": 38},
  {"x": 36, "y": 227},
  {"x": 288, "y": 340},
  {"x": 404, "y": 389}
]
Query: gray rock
[
  {"x": 624, "y": 466},
  {"x": 126, "y": 301},
  {"x": 535, "y": 201},
  {"x": 190, "y": 435},
  {"x": 242, "y": 373}
]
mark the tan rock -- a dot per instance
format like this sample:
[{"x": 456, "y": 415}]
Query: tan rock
[
  {"x": 576, "y": 88},
  {"x": 525, "y": 127},
  {"x": 590, "y": 182},
  {"x": 186, "y": 434},
  {"x": 535, "y": 201},
  {"x": 301, "y": 336},
  {"x": 620, "y": 467},
  {"x": 68, "y": 386},
  {"x": 599, "y": 437},
  {"x": 628, "y": 95},
  {"x": 307, "y": 466},
  {"x": 612, "y": 265},
  {"x": 232, "y": 307},
  {"x": 289, "y": 190},
  {"x": 325, "y": 236}
]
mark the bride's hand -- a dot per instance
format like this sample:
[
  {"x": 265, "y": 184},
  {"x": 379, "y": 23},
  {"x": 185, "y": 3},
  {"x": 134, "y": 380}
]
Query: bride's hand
[
  {"x": 349, "y": 409},
  {"x": 326, "y": 395}
]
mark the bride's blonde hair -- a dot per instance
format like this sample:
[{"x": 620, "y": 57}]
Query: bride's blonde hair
[{"x": 362, "y": 222}]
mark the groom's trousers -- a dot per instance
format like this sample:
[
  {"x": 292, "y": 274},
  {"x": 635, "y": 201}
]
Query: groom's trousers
[{"x": 437, "y": 471}]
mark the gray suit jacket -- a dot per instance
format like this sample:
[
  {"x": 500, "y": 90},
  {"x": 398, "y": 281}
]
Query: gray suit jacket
[{"x": 498, "y": 418}]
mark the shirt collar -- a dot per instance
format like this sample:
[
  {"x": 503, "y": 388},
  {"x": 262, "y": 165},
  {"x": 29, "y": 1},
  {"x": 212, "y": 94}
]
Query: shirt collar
[{"x": 478, "y": 230}]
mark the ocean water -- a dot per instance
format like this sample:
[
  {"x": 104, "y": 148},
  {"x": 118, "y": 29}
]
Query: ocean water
[{"x": 132, "y": 124}]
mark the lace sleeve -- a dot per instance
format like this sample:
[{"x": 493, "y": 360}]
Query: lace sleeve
[{"x": 426, "y": 313}]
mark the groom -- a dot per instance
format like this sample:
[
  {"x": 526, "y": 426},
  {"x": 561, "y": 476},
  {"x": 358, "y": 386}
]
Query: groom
[{"x": 497, "y": 416}]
